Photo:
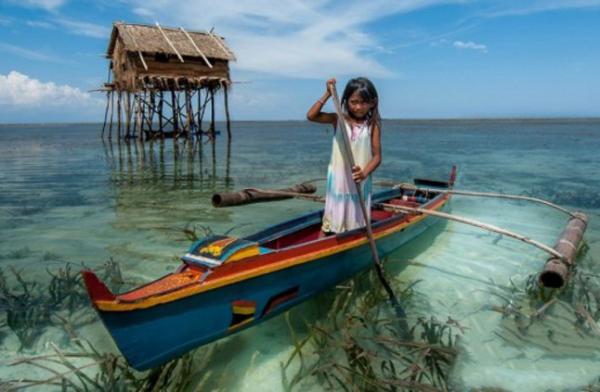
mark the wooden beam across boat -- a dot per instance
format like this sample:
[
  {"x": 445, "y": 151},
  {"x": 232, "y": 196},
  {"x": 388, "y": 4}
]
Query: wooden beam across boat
[{"x": 255, "y": 195}]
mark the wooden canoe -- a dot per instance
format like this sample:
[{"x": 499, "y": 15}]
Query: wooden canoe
[{"x": 227, "y": 284}]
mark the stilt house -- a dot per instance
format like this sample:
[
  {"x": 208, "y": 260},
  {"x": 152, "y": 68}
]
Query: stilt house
[{"x": 164, "y": 78}]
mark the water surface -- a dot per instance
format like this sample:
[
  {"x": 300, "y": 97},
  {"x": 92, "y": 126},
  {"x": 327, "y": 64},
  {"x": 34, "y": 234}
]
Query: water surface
[{"x": 67, "y": 197}]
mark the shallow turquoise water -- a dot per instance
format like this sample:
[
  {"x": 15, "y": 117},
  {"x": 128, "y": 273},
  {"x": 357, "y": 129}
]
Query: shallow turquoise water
[{"x": 68, "y": 198}]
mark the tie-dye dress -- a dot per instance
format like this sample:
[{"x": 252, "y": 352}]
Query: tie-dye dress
[{"x": 342, "y": 208}]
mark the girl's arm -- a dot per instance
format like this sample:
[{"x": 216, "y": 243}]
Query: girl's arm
[
  {"x": 358, "y": 173},
  {"x": 316, "y": 115}
]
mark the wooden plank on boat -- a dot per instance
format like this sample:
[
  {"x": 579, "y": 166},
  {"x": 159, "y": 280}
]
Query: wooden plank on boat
[{"x": 252, "y": 195}]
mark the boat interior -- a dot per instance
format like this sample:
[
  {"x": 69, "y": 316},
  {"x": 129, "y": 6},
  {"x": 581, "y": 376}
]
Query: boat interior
[
  {"x": 308, "y": 227},
  {"x": 216, "y": 250}
]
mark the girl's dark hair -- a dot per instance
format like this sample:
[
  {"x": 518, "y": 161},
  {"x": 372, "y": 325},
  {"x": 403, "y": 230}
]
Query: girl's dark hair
[{"x": 368, "y": 93}]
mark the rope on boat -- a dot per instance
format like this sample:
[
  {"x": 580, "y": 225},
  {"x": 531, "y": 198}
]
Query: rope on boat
[
  {"x": 407, "y": 186},
  {"x": 475, "y": 223}
]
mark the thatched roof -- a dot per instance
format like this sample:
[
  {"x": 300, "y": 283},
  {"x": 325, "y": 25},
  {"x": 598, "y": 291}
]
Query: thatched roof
[{"x": 151, "y": 40}]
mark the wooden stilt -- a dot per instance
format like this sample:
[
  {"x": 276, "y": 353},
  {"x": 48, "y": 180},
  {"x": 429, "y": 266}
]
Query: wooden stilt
[
  {"x": 147, "y": 108},
  {"x": 189, "y": 113},
  {"x": 140, "y": 112},
  {"x": 119, "y": 99},
  {"x": 133, "y": 113},
  {"x": 213, "y": 132},
  {"x": 228, "y": 164},
  {"x": 226, "y": 102},
  {"x": 174, "y": 107},
  {"x": 160, "y": 113},
  {"x": 112, "y": 106},
  {"x": 128, "y": 115},
  {"x": 199, "y": 114},
  {"x": 105, "y": 114},
  {"x": 212, "y": 114},
  {"x": 151, "y": 111}
]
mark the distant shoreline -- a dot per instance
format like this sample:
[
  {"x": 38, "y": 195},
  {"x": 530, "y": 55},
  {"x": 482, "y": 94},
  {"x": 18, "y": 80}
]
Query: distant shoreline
[{"x": 397, "y": 120}]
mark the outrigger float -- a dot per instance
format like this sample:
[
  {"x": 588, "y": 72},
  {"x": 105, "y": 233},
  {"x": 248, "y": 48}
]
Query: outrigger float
[{"x": 226, "y": 284}]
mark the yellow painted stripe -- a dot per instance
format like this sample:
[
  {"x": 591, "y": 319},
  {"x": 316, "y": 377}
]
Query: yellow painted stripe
[
  {"x": 244, "y": 310},
  {"x": 116, "y": 306}
]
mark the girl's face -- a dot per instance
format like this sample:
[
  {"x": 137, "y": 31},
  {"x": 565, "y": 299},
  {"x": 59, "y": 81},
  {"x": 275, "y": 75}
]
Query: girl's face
[{"x": 358, "y": 107}]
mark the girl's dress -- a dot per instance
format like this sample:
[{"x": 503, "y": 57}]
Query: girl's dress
[{"x": 342, "y": 208}]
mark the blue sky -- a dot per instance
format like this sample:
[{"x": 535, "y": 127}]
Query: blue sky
[{"x": 428, "y": 58}]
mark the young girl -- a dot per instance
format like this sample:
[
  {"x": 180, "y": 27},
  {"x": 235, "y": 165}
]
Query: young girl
[{"x": 361, "y": 114}]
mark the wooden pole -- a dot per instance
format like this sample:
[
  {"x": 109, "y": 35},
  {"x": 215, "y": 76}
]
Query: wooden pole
[
  {"x": 141, "y": 112},
  {"x": 189, "y": 113},
  {"x": 119, "y": 100},
  {"x": 112, "y": 106},
  {"x": 105, "y": 114},
  {"x": 225, "y": 88},
  {"x": 127, "y": 114},
  {"x": 255, "y": 195},
  {"x": 349, "y": 158},
  {"x": 134, "y": 114},
  {"x": 146, "y": 107},
  {"x": 160, "y": 113},
  {"x": 212, "y": 114},
  {"x": 174, "y": 107},
  {"x": 213, "y": 132},
  {"x": 151, "y": 110},
  {"x": 228, "y": 164},
  {"x": 200, "y": 114}
]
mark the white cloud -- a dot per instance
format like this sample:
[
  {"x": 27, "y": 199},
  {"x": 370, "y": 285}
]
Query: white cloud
[
  {"x": 470, "y": 45},
  {"x": 28, "y": 53},
  {"x": 19, "y": 90},
  {"x": 84, "y": 28},
  {"x": 504, "y": 8},
  {"x": 4, "y": 21},
  {"x": 49, "y": 5},
  {"x": 143, "y": 12},
  {"x": 40, "y": 24},
  {"x": 294, "y": 38},
  {"x": 73, "y": 27}
]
